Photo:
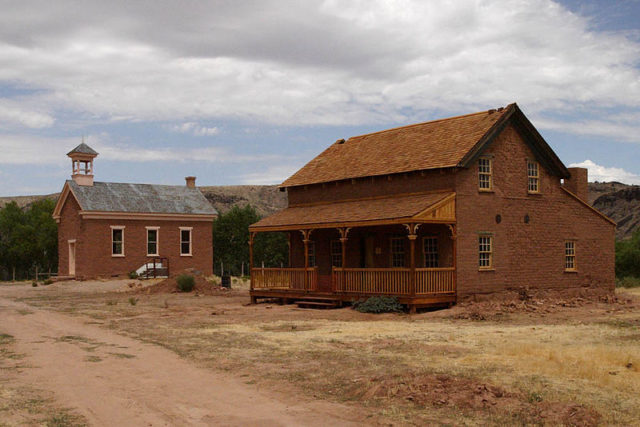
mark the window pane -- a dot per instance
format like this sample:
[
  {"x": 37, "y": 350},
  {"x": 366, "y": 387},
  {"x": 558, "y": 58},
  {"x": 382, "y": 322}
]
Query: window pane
[
  {"x": 185, "y": 235},
  {"x": 185, "y": 248},
  {"x": 430, "y": 252},
  {"x": 397, "y": 252}
]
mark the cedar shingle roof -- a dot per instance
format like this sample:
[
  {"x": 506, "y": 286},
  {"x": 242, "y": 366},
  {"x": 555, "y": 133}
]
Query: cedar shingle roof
[
  {"x": 431, "y": 145},
  {"x": 141, "y": 198},
  {"x": 352, "y": 211}
]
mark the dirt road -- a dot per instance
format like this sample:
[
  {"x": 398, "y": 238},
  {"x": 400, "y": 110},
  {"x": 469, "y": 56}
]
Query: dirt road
[{"x": 115, "y": 380}]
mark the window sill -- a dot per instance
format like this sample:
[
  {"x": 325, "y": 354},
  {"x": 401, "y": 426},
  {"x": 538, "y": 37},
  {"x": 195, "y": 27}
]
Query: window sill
[
  {"x": 487, "y": 269},
  {"x": 480, "y": 190},
  {"x": 153, "y": 255},
  {"x": 571, "y": 271},
  {"x": 186, "y": 255},
  {"x": 117, "y": 256}
]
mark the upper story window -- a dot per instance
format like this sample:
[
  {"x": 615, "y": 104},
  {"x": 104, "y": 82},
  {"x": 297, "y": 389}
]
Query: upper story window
[
  {"x": 152, "y": 241},
  {"x": 570, "y": 255},
  {"x": 485, "y": 252},
  {"x": 430, "y": 250},
  {"x": 117, "y": 241},
  {"x": 336, "y": 253},
  {"x": 533, "y": 174},
  {"x": 186, "y": 243},
  {"x": 312, "y": 254},
  {"x": 485, "y": 174},
  {"x": 397, "y": 251}
]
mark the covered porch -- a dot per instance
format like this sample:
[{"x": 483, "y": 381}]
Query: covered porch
[{"x": 402, "y": 246}]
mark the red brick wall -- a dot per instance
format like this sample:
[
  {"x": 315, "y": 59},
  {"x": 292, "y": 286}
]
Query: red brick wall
[
  {"x": 93, "y": 247},
  {"x": 527, "y": 254}
]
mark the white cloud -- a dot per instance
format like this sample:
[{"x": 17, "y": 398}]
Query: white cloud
[
  {"x": 195, "y": 129},
  {"x": 12, "y": 113},
  {"x": 606, "y": 174},
  {"x": 272, "y": 175},
  {"x": 332, "y": 62},
  {"x": 19, "y": 150}
]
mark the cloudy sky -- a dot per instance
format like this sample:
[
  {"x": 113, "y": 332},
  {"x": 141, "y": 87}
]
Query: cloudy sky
[{"x": 246, "y": 92}]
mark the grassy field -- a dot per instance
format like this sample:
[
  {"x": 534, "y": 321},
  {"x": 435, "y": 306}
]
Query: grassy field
[{"x": 542, "y": 363}]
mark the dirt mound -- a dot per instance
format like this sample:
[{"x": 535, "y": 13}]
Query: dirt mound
[
  {"x": 471, "y": 395},
  {"x": 170, "y": 286},
  {"x": 536, "y": 303}
]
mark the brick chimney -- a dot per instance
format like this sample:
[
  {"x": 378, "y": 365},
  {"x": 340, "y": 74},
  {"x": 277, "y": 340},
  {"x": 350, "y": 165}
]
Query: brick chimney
[
  {"x": 191, "y": 181},
  {"x": 577, "y": 184}
]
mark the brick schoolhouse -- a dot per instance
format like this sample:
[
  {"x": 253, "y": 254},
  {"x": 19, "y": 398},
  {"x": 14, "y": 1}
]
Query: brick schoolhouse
[
  {"x": 108, "y": 229},
  {"x": 435, "y": 212}
]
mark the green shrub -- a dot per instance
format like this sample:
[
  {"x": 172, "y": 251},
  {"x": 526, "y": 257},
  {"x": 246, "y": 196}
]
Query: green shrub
[
  {"x": 186, "y": 282},
  {"x": 133, "y": 301},
  {"x": 379, "y": 305},
  {"x": 34, "y": 284},
  {"x": 133, "y": 275},
  {"x": 47, "y": 282},
  {"x": 628, "y": 282}
]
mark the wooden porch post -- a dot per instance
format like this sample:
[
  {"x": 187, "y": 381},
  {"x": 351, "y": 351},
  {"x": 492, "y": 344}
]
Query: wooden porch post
[
  {"x": 413, "y": 230},
  {"x": 305, "y": 239},
  {"x": 251, "y": 237},
  {"x": 343, "y": 242},
  {"x": 454, "y": 238}
]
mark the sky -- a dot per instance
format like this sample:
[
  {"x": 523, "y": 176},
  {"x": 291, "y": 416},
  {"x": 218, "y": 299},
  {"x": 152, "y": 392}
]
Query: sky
[{"x": 247, "y": 92}]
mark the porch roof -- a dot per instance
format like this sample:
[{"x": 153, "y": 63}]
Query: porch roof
[{"x": 397, "y": 209}]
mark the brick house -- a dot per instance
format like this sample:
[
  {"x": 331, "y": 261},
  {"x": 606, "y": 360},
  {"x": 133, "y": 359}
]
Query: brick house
[
  {"x": 436, "y": 212},
  {"x": 108, "y": 229}
]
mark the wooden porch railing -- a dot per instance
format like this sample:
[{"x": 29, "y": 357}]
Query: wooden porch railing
[
  {"x": 393, "y": 281},
  {"x": 285, "y": 278},
  {"x": 435, "y": 280}
]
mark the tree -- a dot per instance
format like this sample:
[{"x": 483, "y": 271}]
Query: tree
[
  {"x": 628, "y": 256},
  {"x": 231, "y": 242}
]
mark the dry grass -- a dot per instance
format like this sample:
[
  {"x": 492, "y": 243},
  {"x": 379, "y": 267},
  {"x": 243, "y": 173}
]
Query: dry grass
[{"x": 592, "y": 359}]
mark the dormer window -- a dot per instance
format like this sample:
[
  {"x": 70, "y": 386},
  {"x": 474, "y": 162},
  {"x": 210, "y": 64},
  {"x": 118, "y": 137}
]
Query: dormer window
[
  {"x": 533, "y": 174},
  {"x": 485, "y": 174}
]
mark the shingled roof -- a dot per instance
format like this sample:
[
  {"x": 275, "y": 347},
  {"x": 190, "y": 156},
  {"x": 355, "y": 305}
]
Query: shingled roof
[
  {"x": 83, "y": 149},
  {"x": 451, "y": 142},
  {"x": 141, "y": 198}
]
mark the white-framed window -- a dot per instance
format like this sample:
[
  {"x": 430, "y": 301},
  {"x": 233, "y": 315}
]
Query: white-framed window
[
  {"x": 117, "y": 240},
  {"x": 430, "y": 252},
  {"x": 336, "y": 253},
  {"x": 485, "y": 252},
  {"x": 186, "y": 242},
  {"x": 533, "y": 176},
  {"x": 153, "y": 236},
  {"x": 570, "y": 255},
  {"x": 485, "y": 174},
  {"x": 312, "y": 253},
  {"x": 397, "y": 251}
]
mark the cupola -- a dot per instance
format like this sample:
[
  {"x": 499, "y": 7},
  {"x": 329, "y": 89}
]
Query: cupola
[{"x": 82, "y": 164}]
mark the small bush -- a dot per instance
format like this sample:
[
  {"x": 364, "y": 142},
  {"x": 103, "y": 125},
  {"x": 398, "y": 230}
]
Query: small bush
[
  {"x": 133, "y": 275},
  {"x": 133, "y": 301},
  {"x": 34, "y": 284},
  {"x": 628, "y": 282},
  {"x": 112, "y": 302},
  {"x": 47, "y": 282},
  {"x": 186, "y": 282},
  {"x": 379, "y": 305}
]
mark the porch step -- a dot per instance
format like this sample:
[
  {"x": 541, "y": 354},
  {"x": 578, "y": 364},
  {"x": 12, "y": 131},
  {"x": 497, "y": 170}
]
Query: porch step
[{"x": 318, "y": 303}]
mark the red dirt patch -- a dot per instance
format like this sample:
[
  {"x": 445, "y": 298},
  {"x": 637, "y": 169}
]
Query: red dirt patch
[{"x": 471, "y": 396}]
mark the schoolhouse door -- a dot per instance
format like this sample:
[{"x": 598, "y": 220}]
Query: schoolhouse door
[{"x": 72, "y": 257}]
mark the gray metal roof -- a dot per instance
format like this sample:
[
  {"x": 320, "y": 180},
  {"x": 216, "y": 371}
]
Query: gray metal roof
[
  {"x": 141, "y": 198},
  {"x": 83, "y": 149}
]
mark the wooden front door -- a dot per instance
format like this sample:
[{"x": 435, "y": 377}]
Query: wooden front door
[
  {"x": 324, "y": 282},
  {"x": 72, "y": 258}
]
